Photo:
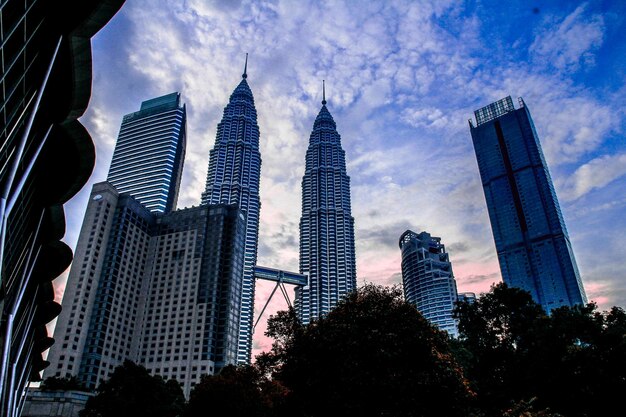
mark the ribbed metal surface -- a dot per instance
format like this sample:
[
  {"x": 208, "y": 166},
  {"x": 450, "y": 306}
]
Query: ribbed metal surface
[
  {"x": 327, "y": 252},
  {"x": 233, "y": 178}
]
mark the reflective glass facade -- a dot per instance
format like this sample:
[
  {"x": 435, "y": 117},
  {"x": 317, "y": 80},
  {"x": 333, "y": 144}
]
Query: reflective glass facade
[
  {"x": 149, "y": 153},
  {"x": 46, "y": 156},
  {"x": 327, "y": 252},
  {"x": 233, "y": 178},
  {"x": 427, "y": 279},
  {"x": 533, "y": 246}
]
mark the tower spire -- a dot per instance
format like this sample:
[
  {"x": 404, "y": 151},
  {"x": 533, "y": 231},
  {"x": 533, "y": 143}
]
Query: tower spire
[
  {"x": 245, "y": 68},
  {"x": 323, "y": 93}
]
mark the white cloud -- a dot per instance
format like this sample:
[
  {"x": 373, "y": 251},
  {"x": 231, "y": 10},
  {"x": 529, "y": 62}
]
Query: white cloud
[
  {"x": 595, "y": 174},
  {"x": 572, "y": 43},
  {"x": 425, "y": 117}
]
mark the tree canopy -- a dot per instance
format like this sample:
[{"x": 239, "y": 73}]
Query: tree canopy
[
  {"x": 54, "y": 383},
  {"x": 132, "y": 392},
  {"x": 242, "y": 391},
  {"x": 572, "y": 361},
  {"x": 372, "y": 355}
]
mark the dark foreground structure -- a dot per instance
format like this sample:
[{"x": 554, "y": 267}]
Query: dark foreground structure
[
  {"x": 46, "y": 156},
  {"x": 42, "y": 403}
]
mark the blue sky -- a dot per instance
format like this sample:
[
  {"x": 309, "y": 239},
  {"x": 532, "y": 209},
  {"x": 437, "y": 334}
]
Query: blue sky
[{"x": 402, "y": 80}]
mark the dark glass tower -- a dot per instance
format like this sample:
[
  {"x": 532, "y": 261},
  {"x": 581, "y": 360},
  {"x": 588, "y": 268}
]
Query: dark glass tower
[
  {"x": 149, "y": 153},
  {"x": 327, "y": 253},
  {"x": 427, "y": 279},
  {"x": 533, "y": 247},
  {"x": 233, "y": 178}
]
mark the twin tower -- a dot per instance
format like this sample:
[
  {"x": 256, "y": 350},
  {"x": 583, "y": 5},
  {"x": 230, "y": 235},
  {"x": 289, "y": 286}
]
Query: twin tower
[{"x": 173, "y": 290}]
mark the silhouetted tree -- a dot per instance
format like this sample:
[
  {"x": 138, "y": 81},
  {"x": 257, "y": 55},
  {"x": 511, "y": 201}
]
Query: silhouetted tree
[
  {"x": 527, "y": 409},
  {"x": 372, "y": 355},
  {"x": 132, "y": 392},
  {"x": 493, "y": 331},
  {"x": 54, "y": 383},
  {"x": 239, "y": 390},
  {"x": 572, "y": 362}
]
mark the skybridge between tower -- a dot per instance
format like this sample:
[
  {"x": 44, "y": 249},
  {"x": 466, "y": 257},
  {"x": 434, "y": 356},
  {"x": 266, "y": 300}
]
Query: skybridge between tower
[{"x": 281, "y": 278}]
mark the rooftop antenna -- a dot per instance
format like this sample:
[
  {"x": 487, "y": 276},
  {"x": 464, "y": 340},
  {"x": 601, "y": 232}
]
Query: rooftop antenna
[
  {"x": 245, "y": 68},
  {"x": 323, "y": 93}
]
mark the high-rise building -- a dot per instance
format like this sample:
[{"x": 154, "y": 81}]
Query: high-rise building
[
  {"x": 159, "y": 287},
  {"x": 233, "y": 178},
  {"x": 327, "y": 252},
  {"x": 533, "y": 246},
  {"x": 162, "y": 290},
  {"x": 427, "y": 279},
  {"x": 46, "y": 156},
  {"x": 149, "y": 153}
]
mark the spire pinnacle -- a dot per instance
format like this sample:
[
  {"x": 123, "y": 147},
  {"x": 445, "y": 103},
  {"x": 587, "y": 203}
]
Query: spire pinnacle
[
  {"x": 245, "y": 68},
  {"x": 323, "y": 93}
]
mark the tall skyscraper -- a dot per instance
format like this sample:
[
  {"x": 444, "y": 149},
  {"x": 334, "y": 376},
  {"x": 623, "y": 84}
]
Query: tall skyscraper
[
  {"x": 149, "y": 153},
  {"x": 327, "y": 252},
  {"x": 428, "y": 280},
  {"x": 46, "y": 156},
  {"x": 533, "y": 246},
  {"x": 233, "y": 178},
  {"x": 161, "y": 288}
]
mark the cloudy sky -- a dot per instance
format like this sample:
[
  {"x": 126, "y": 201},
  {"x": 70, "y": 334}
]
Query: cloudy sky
[{"x": 402, "y": 80}]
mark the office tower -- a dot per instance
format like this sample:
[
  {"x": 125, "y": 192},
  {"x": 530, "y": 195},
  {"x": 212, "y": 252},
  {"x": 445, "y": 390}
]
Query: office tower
[
  {"x": 149, "y": 153},
  {"x": 46, "y": 156},
  {"x": 196, "y": 269},
  {"x": 327, "y": 253},
  {"x": 162, "y": 290},
  {"x": 233, "y": 178},
  {"x": 427, "y": 279},
  {"x": 533, "y": 247}
]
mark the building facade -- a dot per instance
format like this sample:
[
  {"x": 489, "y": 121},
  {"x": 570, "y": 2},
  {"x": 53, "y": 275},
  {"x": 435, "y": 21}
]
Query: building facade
[
  {"x": 162, "y": 290},
  {"x": 61, "y": 403},
  {"x": 534, "y": 249},
  {"x": 327, "y": 254},
  {"x": 46, "y": 156},
  {"x": 190, "y": 320},
  {"x": 233, "y": 177},
  {"x": 427, "y": 279},
  {"x": 149, "y": 153}
]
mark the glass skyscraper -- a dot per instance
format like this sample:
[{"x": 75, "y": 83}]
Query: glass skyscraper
[
  {"x": 427, "y": 279},
  {"x": 233, "y": 178},
  {"x": 149, "y": 153},
  {"x": 327, "y": 252},
  {"x": 533, "y": 246}
]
